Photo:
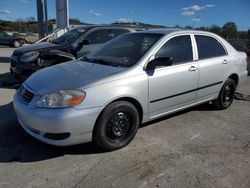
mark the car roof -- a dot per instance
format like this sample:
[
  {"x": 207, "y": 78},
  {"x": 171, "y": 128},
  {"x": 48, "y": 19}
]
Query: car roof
[
  {"x": 88, "y": 27},
  {"x": 166, "y": 31},
  {"x": 161, "y": 31}
]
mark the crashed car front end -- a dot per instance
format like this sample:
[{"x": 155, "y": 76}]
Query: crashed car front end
[{"x": 23, "y": 65}]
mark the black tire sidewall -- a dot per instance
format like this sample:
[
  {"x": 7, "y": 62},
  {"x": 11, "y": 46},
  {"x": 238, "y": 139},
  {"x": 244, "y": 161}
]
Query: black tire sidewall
[
  {"x": 221, "y": 104},
  {"x": 100, "y": 130}
]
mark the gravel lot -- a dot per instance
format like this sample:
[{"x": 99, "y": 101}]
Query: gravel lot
[{"x": 200, "y": 147}]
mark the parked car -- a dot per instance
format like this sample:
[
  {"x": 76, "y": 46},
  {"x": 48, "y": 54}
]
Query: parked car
[
  {"x": 132, "y": 79},
  {"x": 11, "y": 40},
  {"x": 31, "y": 37},
  {"x": 73, "y": 44}
]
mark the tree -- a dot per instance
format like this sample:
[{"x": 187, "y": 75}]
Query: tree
[
  {"x": 202, "y": 28},
  {"x": 248, "y": 37},
  {"x": 216, "y": 29},
  {"x": 74, "y": 21},
  {"x": 31, "y": 19},
  {"x": 188, "y": 27},
  {"x": 229, "y": 30}
]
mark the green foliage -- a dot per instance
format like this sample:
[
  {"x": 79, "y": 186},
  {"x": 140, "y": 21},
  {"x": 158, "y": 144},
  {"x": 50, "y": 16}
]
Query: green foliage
[
  {"x": 229, "y": 30},
  {"x": 248, "y": 51},
  {"x": 216, "y": 29},
  {"x": 74, "y": 21},
  {"x": 188, "y": 27}
]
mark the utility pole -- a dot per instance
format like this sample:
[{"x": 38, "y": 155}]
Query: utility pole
[
  {"x": 46, "y": 17},
  {"x": 40, "y": 18},
  {"x": 62, "y": 14}
]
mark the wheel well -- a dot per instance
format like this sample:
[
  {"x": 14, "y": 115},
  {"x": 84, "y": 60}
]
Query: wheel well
[
  {"x": 23, "y": 40},
  {"x": 235, "y": 78},
  {"x": 134, "y": 102},
  {"x": 127, "y": 99}
]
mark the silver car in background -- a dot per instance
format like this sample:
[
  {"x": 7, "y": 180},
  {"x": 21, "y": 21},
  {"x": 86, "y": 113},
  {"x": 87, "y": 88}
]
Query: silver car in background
[{"x": 132, "y": 79}]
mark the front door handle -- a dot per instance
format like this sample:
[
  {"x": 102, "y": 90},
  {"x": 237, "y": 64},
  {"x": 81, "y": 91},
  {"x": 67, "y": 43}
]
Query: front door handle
[
  {"x": 193, "y": 68},
  {"x": 225, "y": 61}
]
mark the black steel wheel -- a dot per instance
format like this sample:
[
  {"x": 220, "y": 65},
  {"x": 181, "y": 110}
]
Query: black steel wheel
[
  {"x": 116, "y": 126},
  {"x": 226, "y": 95}
]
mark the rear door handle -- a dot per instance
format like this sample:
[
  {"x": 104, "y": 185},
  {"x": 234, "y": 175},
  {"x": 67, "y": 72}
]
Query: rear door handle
[
  {"x": 193, "y": 68},
  {"x": 225, "y": 61}
]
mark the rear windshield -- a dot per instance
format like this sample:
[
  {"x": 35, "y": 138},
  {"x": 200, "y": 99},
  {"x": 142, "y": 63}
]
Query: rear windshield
[{"x": 125, "y": 50}]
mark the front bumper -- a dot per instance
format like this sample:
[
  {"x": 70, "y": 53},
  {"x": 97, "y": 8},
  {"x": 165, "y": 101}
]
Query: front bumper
[
  {"x": 39, "y": 122},
  {"x": 21, "y": 71}
]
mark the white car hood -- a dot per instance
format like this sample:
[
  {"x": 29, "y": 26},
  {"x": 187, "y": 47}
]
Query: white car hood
[{"x": 71, "y": 75}]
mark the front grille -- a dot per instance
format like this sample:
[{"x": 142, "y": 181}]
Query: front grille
[
  {"x": 13, "y": 63},
  {"x": 26, "y": 94}
]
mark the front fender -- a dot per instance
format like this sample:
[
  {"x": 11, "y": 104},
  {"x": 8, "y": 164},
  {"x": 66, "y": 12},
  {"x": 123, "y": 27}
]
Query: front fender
[{"x": 135, "y": 87}]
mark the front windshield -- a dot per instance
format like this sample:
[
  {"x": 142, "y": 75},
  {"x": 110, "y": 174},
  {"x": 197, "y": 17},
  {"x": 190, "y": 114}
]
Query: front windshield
[
  {"x": 69, "y": 37},
  {"x": 123, "y": 51}
]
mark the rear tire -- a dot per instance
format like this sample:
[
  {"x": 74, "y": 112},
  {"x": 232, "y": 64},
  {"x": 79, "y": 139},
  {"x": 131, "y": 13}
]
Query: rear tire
[
  {"x": 117, "y": 126},
  {"x": 226, "y": 95},
  {"x": 17, "y": 43}
]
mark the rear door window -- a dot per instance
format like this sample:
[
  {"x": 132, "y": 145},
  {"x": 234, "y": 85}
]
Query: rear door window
[
  {"x": 98, "y": 36},
  {"x": 209, "y": 47},
  {"x": 116, "y": 32}
]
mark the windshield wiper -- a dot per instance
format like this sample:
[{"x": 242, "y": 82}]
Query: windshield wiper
[
  {"x": 93, "y": 60},
  {"x": 99, "y": 61},
  {"x": 85, "y": 59}
]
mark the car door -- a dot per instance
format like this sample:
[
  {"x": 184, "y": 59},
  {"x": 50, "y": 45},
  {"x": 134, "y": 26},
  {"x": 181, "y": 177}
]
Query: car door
[
  {"x": 96, "y": 39},
  {"x": 173, "y": 87},
  {"x": 213, "y": 65}
]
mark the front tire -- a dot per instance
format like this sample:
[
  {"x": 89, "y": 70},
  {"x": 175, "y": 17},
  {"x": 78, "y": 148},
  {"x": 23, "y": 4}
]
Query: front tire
[
  {"x": 226, "y": 95},
  {"x": 117, "y": 126}
]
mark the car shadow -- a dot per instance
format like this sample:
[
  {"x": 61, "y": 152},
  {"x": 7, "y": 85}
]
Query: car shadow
[
  {"x": 202, "y": 107},
  {"x": 17, "y": 146},
  {"x": 4, "y": 76},
  {"x": 7, "y": 82},
  {"x": 4, "y": 59}
]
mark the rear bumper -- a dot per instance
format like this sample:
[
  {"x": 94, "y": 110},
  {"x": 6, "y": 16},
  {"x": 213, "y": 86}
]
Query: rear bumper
[{"x": 243, "y": 77}]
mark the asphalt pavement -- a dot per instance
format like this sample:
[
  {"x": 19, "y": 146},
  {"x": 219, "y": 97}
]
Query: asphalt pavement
[{"x": 199, "y": 147}]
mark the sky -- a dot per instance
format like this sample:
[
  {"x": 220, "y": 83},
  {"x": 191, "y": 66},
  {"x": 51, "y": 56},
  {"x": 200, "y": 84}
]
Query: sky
[{"x": 162, "y": 12}]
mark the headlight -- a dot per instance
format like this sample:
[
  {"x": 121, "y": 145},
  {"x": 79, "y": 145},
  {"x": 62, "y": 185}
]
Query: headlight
[
  {"x": 61, "y": 99},
  {"x": 29, "y": 57}
]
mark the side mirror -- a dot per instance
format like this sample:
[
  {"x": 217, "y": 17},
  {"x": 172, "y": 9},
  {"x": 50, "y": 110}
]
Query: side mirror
[
  {"x": 78, "y": 47},
  {"x": 160, "y": 62},
  {"x": 82, "y": 43}
]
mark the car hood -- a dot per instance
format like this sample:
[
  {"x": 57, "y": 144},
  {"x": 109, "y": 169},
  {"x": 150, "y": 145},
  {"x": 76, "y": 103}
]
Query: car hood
[
  {"x": 71, "y": 75},
  {"x": 36, "y": 47}
]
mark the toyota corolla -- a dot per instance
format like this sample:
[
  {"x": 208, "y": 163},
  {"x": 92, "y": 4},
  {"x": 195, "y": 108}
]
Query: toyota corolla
[{"x": 132, "y": 79}]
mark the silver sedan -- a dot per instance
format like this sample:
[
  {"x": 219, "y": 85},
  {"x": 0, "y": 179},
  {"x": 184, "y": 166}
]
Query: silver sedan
[{"x": 132, "y": 79}]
